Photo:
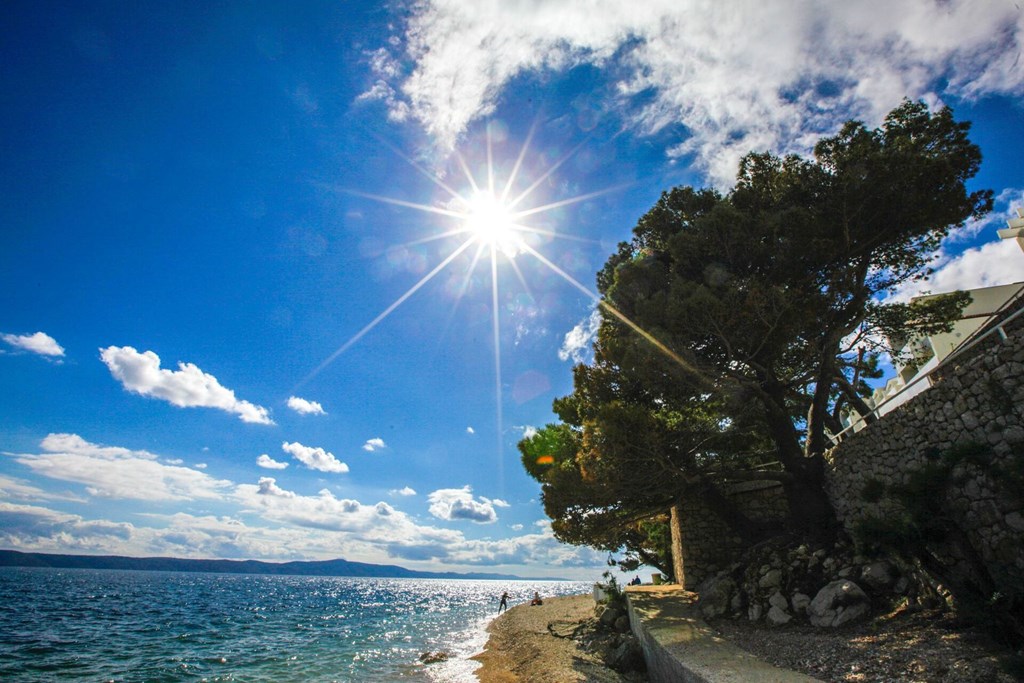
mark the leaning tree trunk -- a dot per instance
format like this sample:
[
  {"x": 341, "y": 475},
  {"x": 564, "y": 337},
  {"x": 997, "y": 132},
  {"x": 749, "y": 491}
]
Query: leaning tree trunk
[
  {"x": 678, "y": 557},
  {"x": 810, "y": 511}
]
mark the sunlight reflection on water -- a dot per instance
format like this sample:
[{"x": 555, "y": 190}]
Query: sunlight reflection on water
[{"x": 140, "y": 626}]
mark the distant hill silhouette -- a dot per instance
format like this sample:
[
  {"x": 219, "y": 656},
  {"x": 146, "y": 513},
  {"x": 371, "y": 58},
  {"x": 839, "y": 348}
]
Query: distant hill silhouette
[{"x": 14, "y": 558}]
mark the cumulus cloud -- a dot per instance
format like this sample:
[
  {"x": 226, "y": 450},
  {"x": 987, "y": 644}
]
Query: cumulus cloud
[
  {"x": 459, "y": 504},
  {"x": 12, "y": 488},
  {"x": 576, "y": 344},
  {"x": 998, "y": 262},
  {"x": 406, "y": 491},
  {"x": 806, "y": 67},
  {"x": 470, "y": 430},
  {"x": 269, "y": 463},
  {"x": 286, "y": 525},
  {"x": 115, "y": 472},
  {"x": 28, "y": 527},
  {"x": 304, "y": 407},
  {"x": 40, "y": 343},
  {"x": 991, "y": 264},
  {"x": 187, "y": 387},
  {"x": 375, "y": 444},
  {"x": 315, "y": 458},
  {"x": 267, "y": 486},
  {"x": 379, "y": 523}
]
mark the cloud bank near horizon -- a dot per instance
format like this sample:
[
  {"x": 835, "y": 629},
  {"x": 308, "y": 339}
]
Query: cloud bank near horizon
[{"x": 263, "y": 520}]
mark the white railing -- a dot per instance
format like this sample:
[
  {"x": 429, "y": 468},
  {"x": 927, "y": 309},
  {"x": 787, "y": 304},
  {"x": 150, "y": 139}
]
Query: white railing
[{"x": 969, "y": 344}]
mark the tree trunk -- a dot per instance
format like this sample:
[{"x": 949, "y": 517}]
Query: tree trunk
[
  {"x": 678, "y": 557},
  {"x": 855, "y": 399},
  {"x": 810, "y": 511},
  {"x": 818, "y": 413}
]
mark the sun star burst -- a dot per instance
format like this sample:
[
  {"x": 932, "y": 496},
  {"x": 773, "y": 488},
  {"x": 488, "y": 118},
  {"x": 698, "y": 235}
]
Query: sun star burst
[{"x": 491, "y": 222}]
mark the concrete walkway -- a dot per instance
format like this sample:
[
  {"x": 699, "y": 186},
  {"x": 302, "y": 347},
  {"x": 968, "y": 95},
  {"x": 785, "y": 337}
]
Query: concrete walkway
[{"x": 680, "y": 646}]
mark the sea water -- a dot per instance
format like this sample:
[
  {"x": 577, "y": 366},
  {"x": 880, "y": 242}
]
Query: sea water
[{"x": 104, "y": 625}]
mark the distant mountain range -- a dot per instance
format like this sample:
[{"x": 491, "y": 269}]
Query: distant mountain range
[{"x": 14, "y": 558}]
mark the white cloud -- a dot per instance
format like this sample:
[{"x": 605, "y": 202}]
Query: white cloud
[
  {"x": 1005, "y": 208},
  {"x": 187, "y": 387},
  {"x": 269, "y": 463},
  {"x": 470, "y": 430},
  {"x": 267, "y": 486},
  {"x": 991, "y": 264},
  {"x": 576, "y": 344},
  {"x": 529, "y": 431},
  {"x": 301, "y": 527},
  {"x": 379, "y": 524},
  {"x": 406, "y": 491},
  {"x": 738, "y": 76},
  {"x": 304, "y": 407},
  {"x": 375, "y": 444},
  {"x": 315, "y": 458},
  {"x": 114, "y": 472},
  {"x": 17, "y": 489},
  {"x": 456, "y": 504},
  {"x": 200, "y": 465},
  {"x": 40, "y": 343},
  {"x": 27, "y": 527}
]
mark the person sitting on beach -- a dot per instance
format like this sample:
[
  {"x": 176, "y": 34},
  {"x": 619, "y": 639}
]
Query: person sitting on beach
[
  {"x": 536, "y": 599},
  {"x": 504, "y": 602}
]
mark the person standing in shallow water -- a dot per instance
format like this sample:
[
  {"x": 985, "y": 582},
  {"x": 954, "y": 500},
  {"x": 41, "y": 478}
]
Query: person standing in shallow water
[{"x": 504, "y": 602}]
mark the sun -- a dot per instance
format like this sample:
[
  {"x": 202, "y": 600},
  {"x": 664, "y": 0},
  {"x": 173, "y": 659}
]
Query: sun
[{"x": 491, "y": 222}]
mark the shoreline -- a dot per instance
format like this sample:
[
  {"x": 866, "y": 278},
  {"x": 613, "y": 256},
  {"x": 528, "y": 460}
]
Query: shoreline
[{"x": 535, "y": 643}]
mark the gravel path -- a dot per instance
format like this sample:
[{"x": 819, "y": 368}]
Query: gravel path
[{"x": 922, "y": 647}]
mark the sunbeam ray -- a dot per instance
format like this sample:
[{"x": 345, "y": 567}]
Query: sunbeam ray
[
  {"x": 519, "y": 162},
  {"x": 615, "y": 312},
  {"x": 411, "y": 205},
  {"x": 432, "y": 177},
  {"x": 497, "y": 364},
  {"x": 386, "y": 312},
  {"x": 490, "y": 221},
  {"x": 551, "y": 233},
  {"x": 567, "y": 202},
  {"x": 547, "y": 174}
]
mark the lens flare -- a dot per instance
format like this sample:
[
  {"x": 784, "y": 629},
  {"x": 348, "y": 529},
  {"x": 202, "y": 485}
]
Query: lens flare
[{"x": 493, "y": 222}]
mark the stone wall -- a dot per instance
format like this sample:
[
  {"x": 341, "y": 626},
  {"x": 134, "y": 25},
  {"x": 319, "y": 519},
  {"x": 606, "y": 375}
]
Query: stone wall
[
  {"x": 951, "y": 457},
  {"x": 708, "y": 544}
]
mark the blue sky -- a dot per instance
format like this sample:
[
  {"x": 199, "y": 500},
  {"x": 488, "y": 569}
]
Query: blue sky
[{"x": 207, "y": 209}]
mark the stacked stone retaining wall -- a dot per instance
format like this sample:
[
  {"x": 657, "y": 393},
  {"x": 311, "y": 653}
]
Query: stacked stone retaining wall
[
  {"x": 708, "y": 544},
  {"x": 960, "y": 442}
]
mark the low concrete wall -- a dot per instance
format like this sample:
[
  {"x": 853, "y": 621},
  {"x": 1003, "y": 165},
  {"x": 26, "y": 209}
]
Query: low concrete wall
[{"x": 679, "y": 646}]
